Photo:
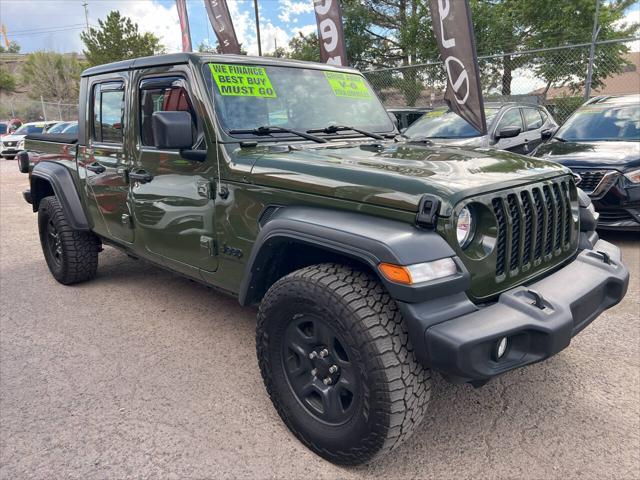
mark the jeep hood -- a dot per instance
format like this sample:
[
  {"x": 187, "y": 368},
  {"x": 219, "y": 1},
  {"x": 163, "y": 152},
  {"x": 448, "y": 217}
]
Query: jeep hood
[{"x": 393, "y": 175}]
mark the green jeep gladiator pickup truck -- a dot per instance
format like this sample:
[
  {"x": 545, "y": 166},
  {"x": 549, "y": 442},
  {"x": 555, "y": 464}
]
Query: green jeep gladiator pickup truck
[{"x": 373, "y": 261}]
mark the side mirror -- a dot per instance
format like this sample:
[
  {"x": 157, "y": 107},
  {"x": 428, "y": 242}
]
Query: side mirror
[
  {"x": 172, "y": 130},
  {"x": 547, "y": 134},
  {"x": 508, "y": 132}
]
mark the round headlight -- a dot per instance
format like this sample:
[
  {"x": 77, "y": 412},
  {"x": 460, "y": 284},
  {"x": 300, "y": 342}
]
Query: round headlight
[{"x": 464, "y": 227}]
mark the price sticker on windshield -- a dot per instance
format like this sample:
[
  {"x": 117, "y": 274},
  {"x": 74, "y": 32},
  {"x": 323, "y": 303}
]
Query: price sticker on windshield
[
  {"x": 242, "y": 80},
  {"x": 348, "y": 85}
]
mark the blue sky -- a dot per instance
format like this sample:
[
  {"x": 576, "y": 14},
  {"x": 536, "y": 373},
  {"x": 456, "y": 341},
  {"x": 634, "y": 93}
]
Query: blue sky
[{"x": 56, "y": 24}]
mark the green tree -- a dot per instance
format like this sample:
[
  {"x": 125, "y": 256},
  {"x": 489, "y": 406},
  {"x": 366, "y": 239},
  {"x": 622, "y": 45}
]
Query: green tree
[
  {"x": 117, "y": 38},
  {"x": 304, "y": 47},
  {"x": 7, "y": 81},
  {"x": 399, "y": 32},
  {"x": 13, "y": 48},
  {"x": 54, "y": 76}
]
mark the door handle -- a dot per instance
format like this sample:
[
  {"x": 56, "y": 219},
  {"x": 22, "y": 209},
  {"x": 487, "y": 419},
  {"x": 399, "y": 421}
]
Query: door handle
[
  {"x": 95, "y": 167},
  {"x": 141, "y": 176}
]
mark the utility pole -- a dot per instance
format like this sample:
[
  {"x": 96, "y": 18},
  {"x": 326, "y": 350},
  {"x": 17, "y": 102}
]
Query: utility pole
[
  {"x": 86, "y": 14},
  {"x": 592, "y": 52},
  {"x": 255, "y": 6}
]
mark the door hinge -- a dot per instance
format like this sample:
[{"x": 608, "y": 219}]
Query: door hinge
[
  {"x": 204, "y": 189},
  {"x": 210, "y": 244}
]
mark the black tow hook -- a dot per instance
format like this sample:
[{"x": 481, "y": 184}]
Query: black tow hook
[
  {"x": 606, "y": 258},
  {"x": 538, "y": 300}
]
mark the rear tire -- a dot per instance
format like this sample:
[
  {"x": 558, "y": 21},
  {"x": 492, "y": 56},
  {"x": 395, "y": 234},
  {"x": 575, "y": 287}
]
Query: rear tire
[
  {"x": 71, "y": 255},
  {"x": 347, "y": 318}
]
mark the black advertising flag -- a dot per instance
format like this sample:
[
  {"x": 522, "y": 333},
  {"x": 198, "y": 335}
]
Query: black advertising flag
[
  {"x": 220, "y": 19},
  {"x": 456, "y": 42},
  {"x": 181, "y": 5},
  {"x": 330, "y": 32}
]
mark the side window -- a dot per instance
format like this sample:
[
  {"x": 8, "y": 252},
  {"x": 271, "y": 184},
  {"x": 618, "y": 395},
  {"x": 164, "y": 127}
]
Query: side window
[
  {"x": 162, "y": 95},
  {"x": 532, "y": 118},
  {"x": 510, "y": 119},
  {"x": 108, "y": 112}
]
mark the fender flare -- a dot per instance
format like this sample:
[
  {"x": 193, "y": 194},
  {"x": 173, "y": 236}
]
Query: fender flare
[
  {"x": 364, "y": 238},
  {"x": 64, "y": 188}
]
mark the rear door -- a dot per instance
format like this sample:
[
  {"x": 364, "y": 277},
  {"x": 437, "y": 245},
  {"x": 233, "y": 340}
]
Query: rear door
[
  {"x": 174, "y": 208},
  {"x": 511, "y": 118},
  {"x": 533, "y": 124},
  {"x": 103, "y": 161}
]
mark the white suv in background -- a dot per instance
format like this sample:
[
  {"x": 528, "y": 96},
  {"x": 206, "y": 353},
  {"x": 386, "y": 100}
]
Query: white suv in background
[{"x": 12, "y": 144}]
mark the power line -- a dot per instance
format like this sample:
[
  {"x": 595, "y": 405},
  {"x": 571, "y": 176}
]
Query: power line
[{"x": 37, "y": 29}]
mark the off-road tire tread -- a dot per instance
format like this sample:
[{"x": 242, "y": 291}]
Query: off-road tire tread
[
  {"x": 80, "y": 248},
  {"x": 403, "y": 382}
]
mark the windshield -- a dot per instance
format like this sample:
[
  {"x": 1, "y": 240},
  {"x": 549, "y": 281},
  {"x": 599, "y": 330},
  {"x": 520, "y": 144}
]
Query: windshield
[
  {"x": 3, "y": 128},
  {"x": 58, "y": 127},
  {"x": 71, "y": 129},
  {"x": 602, "y": 123},
  {"x": 445, "y": 124},
  {"x": 248, "y": 97},
  {"x": 27, "y": 129}
]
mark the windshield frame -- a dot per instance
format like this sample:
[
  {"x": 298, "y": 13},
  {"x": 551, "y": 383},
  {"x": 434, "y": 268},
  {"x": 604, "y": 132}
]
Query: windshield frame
[
  {"x": 210, "y": 95},
  {"x": 605, "y": 106}
]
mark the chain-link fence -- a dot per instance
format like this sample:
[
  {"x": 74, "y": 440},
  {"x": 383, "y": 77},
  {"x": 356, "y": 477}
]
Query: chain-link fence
[
  {"x": 554, "y": 77},
  {"x": 34, "y": 110}
]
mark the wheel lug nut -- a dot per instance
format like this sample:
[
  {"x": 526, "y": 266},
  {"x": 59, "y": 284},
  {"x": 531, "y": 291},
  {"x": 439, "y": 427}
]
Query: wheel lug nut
[
  {"x": 327, "y": 381},
  {"x": 313, "y": 355},
  {"x": 314, "y": 372},
  {"x": 333, "y": 369},
  {"x": 324, "y": 352}
]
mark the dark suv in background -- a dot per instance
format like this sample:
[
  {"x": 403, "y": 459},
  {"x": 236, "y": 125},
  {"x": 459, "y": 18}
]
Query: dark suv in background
[
  {"x": 517, "y": 127},
  {"x": 600, "y": 142}
]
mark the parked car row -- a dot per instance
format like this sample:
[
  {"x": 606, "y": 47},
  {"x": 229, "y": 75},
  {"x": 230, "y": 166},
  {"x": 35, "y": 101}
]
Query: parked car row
[
  {"x": 12, "y": 143},
  {"x": 600, "y": 142}
]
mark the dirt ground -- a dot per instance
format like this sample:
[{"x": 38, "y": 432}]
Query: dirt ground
[{"x": 141, "y": 373}]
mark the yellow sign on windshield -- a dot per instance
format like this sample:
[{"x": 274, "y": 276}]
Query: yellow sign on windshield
[
  {"x": 242, "y": 80},
  {"x": 348, "y": 85}
]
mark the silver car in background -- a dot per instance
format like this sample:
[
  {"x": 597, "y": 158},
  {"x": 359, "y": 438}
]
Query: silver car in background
[{"x": 517, "y": 127}]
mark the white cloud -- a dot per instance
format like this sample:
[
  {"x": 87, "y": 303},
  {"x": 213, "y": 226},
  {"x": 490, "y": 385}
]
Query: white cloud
[
  {"x": 156, "y": 18},
  {"x": 305, "y": 30},
  {"x": 43, "y": 25},
  {"x": 290, "y": 10},
  {"x": 632, "y": 17}
]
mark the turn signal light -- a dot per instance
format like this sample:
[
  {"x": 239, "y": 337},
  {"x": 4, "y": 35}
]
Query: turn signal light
[
  {"x": 419, "y": 272},
  {"x": 395, "y": 273}
]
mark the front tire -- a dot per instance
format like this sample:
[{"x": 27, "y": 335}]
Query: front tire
[
  {"x": 338, "y": 364},
  {"x": 71, "y": 255}
]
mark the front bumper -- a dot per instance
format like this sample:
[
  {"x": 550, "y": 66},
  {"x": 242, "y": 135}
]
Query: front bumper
[{"x": 463, "y": 348}]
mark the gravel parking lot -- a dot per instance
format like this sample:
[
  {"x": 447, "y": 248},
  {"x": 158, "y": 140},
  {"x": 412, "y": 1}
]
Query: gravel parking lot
[{"x": 142, "y": 373}]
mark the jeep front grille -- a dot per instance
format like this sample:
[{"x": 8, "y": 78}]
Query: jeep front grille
[{"x": 534, "y": 227}]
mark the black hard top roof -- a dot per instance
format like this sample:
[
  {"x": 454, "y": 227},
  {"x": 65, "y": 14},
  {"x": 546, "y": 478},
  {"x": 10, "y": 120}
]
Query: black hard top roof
[{"x": 182, "y": 58}]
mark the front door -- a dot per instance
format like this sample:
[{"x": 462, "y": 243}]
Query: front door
[
  {"x": 103, "y": 162},
  {"x": 172, "y": 196}
]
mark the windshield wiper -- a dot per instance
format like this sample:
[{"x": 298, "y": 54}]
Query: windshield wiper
[
  {"x": 340, "y": 128},
  {"x": 267, "y": 129},
  {"x": 560, "y": 139}
]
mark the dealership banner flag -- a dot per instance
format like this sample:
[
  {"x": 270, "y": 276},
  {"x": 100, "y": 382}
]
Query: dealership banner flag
[
  {"x": 181, "y": 5},
  {"x": 330, "y": 32},
  {"x": 220, "y": 19},
  {"x": 456, "y": 42}
]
